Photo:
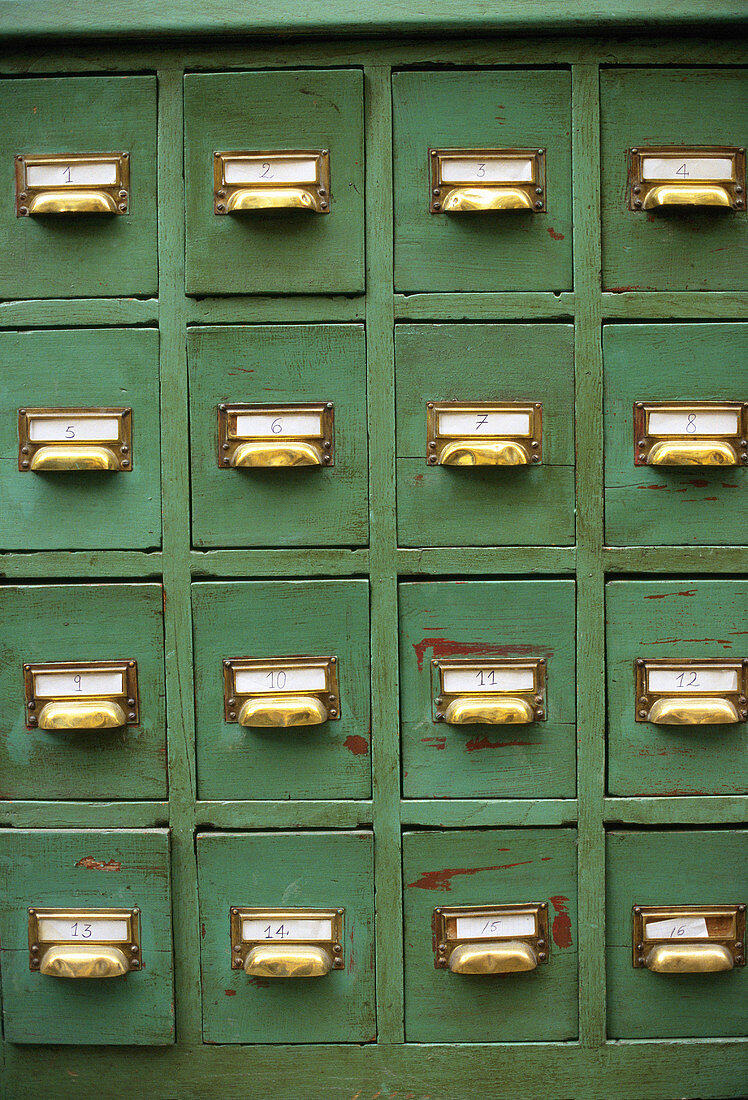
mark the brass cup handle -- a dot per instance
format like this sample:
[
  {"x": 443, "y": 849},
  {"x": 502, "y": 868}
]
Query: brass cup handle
[
  {"x": 274, "y": 453},
  {"x": 489, "y": 710},
  {"x": 689, "y": 958},
  {"x": 92, "y": 714},
  {"x": 500, "y": 452},
  {"x": 493, "y": 957},
  {"x": 249, "y": 199},
  {"x": 65, "y": 458},
  {"x": 475, "y": 200},
  {"x": 703, "y": 452},
  {"x": 678, "y": 194},
  {"x": 282, "y": 711},
  {"x": 277, "y": 960},
  {"x": 79, "y": 961},
  {"x": 72, "y": 202},
  {"x": 692, "y": 711}
]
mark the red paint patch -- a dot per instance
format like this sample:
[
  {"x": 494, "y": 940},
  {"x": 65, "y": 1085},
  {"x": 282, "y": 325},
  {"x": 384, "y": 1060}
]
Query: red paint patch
[
  {"x": 202, "y": 930},
  {"x": 446, "y": 647},
  {"x": 556, "y": 236},
  {"x": 435, "y": 742},
  {"x": 418, "y": 478},
  {"x": 622, "y": 289},
  {"x": 561, "y": 928},
  {"x": 359, "y": 746},
  {"x": 710, "y": 498},
  {"x": 92, "y": 864},
  {"x": 483, "y": 743},
  {"x": 442, "y": 880},
  {"x": 230, "y": 992},
  {"x": 261, "y": 983},
  {"x": 698, "y": 482}
]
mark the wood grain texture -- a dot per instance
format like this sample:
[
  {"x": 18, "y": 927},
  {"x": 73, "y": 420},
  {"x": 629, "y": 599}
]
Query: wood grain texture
[
  {"x": 277, "y": 870},
  {"x": 83, "y": 623},
  {"x": 100, "y": 869}
]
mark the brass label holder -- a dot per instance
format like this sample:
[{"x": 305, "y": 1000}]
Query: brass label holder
[
  {"x": 469, "y": 181},
  {"x": 84, "y": 943},
  {"x": 690, "y": 433},
  {"x": 490, "y": 939},
  {"x": 281, "y": 691},
  {"x": 72, "y": 183},
  {"x": 81, "y": 695},
  {"x": 681, "y": 175},
  {"x": 276, "y": 436},
  {"x": 74, "y": 439},
  {"x": 691, "y": 692},
  {"x": 688, "y": 939},
  {"x": 494, "y": 691},
  {"x": 484, "y": 433},
  {"x": 286, "y": 180},
  {"x": 287, "y": 943}
]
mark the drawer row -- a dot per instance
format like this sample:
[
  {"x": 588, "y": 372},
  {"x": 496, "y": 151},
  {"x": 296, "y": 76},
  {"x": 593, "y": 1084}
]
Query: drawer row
[
  {"x": 490, "y": 936},
  {"x": 282, "y": 682},
  {"x": 279, "y": 451},
  {"x": 274, "y": 176}
]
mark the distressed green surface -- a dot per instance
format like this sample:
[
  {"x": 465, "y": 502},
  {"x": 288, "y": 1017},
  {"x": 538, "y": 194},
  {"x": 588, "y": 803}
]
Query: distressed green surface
[
  {"x": 282, "y": 619},
  {"x": 504, "y": 251},
  {"x": 82, "y": 368},
  {"x": 71, "y": 868},
  {"x": 691, "y": 249},
  {"x": 452, "y": 505},
  {"x": 482, "y": 868},
  {"x": 647, "y": 504},
  {"x": 285, "y": 364},
  {"x": 674, "y": 619},
  {"x": 676, "y": 868},
  {"x": 487, "y": 619},
  {"x": 275, "y": 253},
  {"x": 277, "y": 870},
  {"x": 85, "y": 255},
  {"x": 107, "y": 622}
]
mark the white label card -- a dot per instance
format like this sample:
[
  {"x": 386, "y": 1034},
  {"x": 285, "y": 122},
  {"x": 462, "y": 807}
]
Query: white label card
[
  {"x": 693, "y": 928},
  {"x": 488, "y": 679},
  {"x": 52, "y": 685},
  {"x": 683, "y": 169},
  {"x": 270, "y": 169},
  {"x": 60, "y": 174},
  {"x": 692, "y": 678},
  {"x": 484, "y": 423},
  {"x": 80, "y": 928},
  {"x": 486, "y": 169},
  {"x": 296, "y": 928},
  {"x": 71, "y": 429},
  {"x": 495, "y": 926},
  {"x": 278, "y": 425},
  {"x": 698, "y": 422},
  {"x": 250, "y": 681}
]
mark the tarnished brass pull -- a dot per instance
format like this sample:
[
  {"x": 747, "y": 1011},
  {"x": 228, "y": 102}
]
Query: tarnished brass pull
[
  {"x": 62, "y": 458},
  {"x": 508, "y": 957},
  {"x": 473, "y": 200},
  {"x": 687, "y": 711},
  {"x": 271, "y": 455},
  {"x": 707, "y": 452},
  {"x": 489, "y": 710},
  {"x": 282, "y": 711},
  {"x": 271, "y": 198},
  {"x": 72, "y": 202},
  {"x": 77, "y": 961},
  {"x": 474, "y": 181},
  {"x": 689, "y": 958},
  {"x": 91, "y": 714},
  {"x": 291, "y": 179},
  {"x": 72, "y": 183},
  {"x": 495, "y": 453},
  {"x": 297, "y": 961},
  {"x": 673, "y": 194}
]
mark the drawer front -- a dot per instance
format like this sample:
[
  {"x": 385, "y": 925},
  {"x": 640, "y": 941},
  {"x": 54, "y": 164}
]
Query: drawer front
[
  {"x": 280, "y": 364},
  {"x": 503, "y": 250},
  {"x": 81, "y": 255},
  {"x": 684, "y": 619},
  {"x": 672, "y": 505},
  {"x": 87, "y": 869},
  {"x": 90, "y": 509},
  {"x": 279, "y": 252},
  {"x": 83, "y": 623},
  {"x": 682, "y": 867},
  {"x": 485, "y": 620},
  {"x": 490, "y": 867},
  {"x": 276, "y": 619},
  {"x": 327, "y": 870},
  {"x": 444, "y": 505},
  {"x": 680, "y": 247}
]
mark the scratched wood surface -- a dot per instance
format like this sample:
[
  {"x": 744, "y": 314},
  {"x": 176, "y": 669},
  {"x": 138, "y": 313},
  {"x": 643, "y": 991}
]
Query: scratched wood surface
[{"x": 103, "y": 869}]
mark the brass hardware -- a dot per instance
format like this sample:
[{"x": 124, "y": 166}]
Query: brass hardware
[
  {"x": 690, "y": 433},
  {"x": 488, "y": 692},
  {"x": 692, "y": 692},
  {"x": 66, "y": 440},
  {"x": 292, "y": 179},
  {"x": 484, "y": 433},
  {"x": 286, "y": 943},
  {"x": 84, "y": 943},
  {"x": 467, "y": 181},
  {"x": 72, "y": 183},
  {"x": 271, "y": 436},
  {"x": 280, "y": 692},
  {"x": 688, "y": 939},
  {"x": 662, "y": 176},
  {"x": 81, "y": 695},
  {"x": 490, "y": 939}
]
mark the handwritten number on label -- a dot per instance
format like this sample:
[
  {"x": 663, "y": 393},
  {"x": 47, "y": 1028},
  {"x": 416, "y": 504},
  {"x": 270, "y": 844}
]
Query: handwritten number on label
[
  {"x": 691, "y": 424},
  {"x": 85, "y": 931},
  {"x": 70, "y": 431},
  {"x": 77, "y": 682},
  {"x": 492, "y": 927},
  {"x": 480, "y": 420},
  {"x": 279, "y": 933},
  {"x": 266, "y": 174},
  {"x": 277, "y": 426},
  {"x": 693, "y": 682},
  {"x": 682, "y": 171},
  {"x": 484, "y": 677},
  {"x": 66, "y": 174},
  {"x": 481, "y": 171},
  {"x": 277, "y": 679}
]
